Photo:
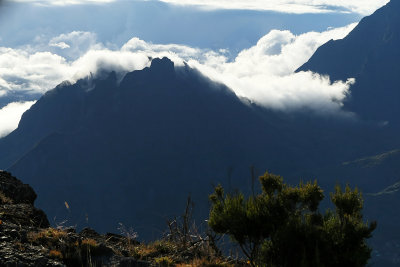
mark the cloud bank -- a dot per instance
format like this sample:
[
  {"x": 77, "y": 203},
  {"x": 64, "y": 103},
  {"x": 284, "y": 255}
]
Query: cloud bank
[
  {"x": 363, "y": 7},
  {"x": 263, "y": 73},
  {"x": 11, "y": 114}
]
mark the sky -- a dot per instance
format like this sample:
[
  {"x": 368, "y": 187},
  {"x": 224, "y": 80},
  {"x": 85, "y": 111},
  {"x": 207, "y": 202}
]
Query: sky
[{"x": 252, "y": 46}]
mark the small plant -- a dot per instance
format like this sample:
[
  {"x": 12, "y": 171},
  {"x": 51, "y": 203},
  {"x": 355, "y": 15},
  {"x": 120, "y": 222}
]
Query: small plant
[
  {"x": 55, "y": 254},
  {"x": 131, "y": 237},
  {"x": 164, "y": 261},
  {"x": 130, "y": 234}
]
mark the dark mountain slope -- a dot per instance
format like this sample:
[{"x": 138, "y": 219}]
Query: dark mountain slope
[{"x": 370, "y": 53}]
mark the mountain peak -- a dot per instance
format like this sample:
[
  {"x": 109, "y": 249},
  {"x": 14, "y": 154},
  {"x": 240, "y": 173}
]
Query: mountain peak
[{"x": 162, "y": 65}]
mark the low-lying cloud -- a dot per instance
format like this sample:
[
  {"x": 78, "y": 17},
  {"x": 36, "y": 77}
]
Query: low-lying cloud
[
  {"x": 11, "y": 114},
  {"x": 263, "y": 73}
]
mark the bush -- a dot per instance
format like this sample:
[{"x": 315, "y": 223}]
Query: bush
[{"x": 282, "y": 225}]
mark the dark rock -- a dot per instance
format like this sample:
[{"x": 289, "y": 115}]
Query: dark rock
[
  {"x": 89, "y": 233},
  {"x": 14, "y": 190},
  {"x": 16, "y": 203}
]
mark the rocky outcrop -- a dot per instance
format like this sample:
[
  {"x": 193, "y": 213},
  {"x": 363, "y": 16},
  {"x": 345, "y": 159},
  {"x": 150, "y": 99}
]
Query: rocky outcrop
[
  {"x": 26, "y": 238},
  {"x": 14, "y": 191},
  {"x": 18, "y": 217},
  {"x": 16, "y": 203}
]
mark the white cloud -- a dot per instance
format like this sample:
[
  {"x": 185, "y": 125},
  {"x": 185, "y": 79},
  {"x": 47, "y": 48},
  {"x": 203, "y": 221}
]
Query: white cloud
[
  {"x": 10, "y": 116},
  {"x": 75, "y": 43},
  {"x": 263, "y": 73},
  {"x": 364, "y": 7},
  {"x": 60, "y": 45},
  {"x": 27, "y": 71}
]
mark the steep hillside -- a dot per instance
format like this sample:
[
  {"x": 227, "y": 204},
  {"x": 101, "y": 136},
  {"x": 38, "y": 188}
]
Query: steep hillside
[
  {"x": 134, "y": 150},
  {"x": 369, "y": 54}
]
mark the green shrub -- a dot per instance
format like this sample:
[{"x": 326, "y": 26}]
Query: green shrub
[{"x": 282, "y": 226}]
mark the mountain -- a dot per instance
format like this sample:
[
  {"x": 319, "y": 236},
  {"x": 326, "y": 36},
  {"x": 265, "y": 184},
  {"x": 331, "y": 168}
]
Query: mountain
[
  {"x": 135, "y": 149},
  {"x": 369, "y": 54}
]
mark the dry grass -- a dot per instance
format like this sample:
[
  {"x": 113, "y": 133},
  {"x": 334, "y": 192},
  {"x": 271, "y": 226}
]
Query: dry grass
[
  {"x": 55, "y": 254},
  {"x": 89, "y": 242},
  {"x": 49, "y": 236}
]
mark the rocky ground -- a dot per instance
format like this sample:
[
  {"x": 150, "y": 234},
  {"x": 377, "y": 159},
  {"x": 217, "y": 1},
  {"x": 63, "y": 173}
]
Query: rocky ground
[{"x": 26, "y": 239}]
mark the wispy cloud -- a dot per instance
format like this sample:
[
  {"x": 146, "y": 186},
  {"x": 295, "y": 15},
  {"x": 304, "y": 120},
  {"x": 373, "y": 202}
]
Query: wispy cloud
[
  {"x": 364, "y": 7},
  {"x": 11, "y": 114}
]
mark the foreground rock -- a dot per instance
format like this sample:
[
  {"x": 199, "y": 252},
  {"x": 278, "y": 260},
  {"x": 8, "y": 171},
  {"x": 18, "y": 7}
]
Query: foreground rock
[
  {"x": 26, "y": 238},
  {"x": 18, "y": 217}
]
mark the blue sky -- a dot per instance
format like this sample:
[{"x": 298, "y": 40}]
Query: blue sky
[
  {"x": 253, "y": 46},
  {"x": 158, "y": 22}
]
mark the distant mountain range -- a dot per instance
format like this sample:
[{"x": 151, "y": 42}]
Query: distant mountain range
[{"x": 103, "y": 151}]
